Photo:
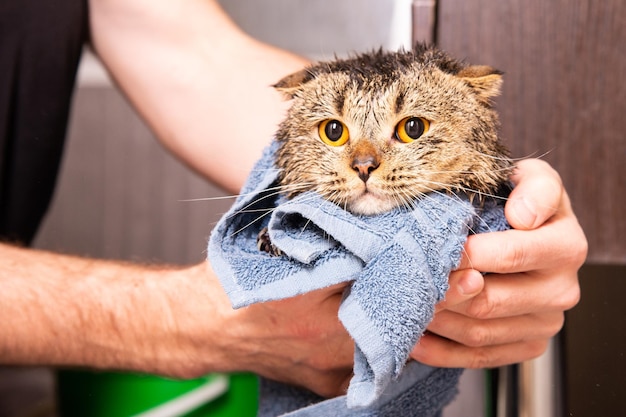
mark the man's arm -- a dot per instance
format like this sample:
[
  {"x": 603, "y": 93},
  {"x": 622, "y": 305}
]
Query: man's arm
[
  {"x": 201, "y": 84},
  {"x": 65, "y": 310},
  {"x": 68, "y": 311}
]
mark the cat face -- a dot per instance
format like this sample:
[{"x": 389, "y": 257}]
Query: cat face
[{"x": 379, "y": 130}]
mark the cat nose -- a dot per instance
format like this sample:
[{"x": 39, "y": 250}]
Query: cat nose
[{"x": 364, "y": 165}]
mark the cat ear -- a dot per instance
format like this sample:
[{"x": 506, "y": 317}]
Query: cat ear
[
  {"x": 484, "y": 80},
  {"x": 292, "y": 82}
]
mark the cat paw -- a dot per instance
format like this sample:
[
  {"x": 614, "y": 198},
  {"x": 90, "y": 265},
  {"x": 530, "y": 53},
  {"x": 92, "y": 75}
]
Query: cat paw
[{"x": 264, "y": 243}]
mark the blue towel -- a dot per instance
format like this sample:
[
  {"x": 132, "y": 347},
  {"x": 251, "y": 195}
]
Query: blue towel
[
  {"x": 420, "y": 391},
  {"x": 397, "y": 262}
]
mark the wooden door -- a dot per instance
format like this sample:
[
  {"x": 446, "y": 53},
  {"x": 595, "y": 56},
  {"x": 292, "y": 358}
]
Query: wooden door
[
  {"x": 564, "y": 95},
  {"x": 563, "y": 100}
]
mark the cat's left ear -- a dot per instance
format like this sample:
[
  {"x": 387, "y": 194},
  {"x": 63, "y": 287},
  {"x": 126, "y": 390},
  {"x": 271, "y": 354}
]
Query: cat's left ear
[
  {"x": 484, "y": 80},
  {"x": 292, "y": 82}
]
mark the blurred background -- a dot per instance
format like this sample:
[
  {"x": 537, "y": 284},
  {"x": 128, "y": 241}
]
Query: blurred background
[{"x": 120, "y": 195}]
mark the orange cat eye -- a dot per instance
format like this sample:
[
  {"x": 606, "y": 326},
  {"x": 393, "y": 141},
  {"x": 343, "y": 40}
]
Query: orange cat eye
[
  {"x": 411, "y": 128},
  {"x": 333, "y": 132}
]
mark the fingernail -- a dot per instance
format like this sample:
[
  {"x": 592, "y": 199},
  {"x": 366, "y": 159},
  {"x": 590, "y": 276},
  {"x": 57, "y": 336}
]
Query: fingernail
[
  {"x": 525, "y": 212},
  {"x": 471, "y": 283}
]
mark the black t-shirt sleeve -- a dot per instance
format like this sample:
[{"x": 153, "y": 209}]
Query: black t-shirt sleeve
[{"x": 40, "y": 47}]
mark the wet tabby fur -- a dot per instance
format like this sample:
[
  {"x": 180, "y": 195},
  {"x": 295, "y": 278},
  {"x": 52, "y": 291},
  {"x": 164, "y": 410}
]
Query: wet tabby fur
[{"x": 370, "y": 94}]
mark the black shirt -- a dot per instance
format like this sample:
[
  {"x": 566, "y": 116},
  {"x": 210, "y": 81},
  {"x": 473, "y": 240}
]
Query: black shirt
[{"x": 40, "y": 47}]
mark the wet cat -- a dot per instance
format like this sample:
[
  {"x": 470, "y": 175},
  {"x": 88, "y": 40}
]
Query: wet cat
[{"x": 381, "y": 129}]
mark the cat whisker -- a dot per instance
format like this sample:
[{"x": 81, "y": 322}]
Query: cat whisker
[
  {"x": 259, "y": 210},
  {"x": 236, "y": 232},
  {"x": 406, "y": 199},
  {"x": 458, "y": 198},
  {"x": 273, "y": 192},
  {"x": 466, "y": 172},
  {"x": 222, "y": 197},
  {"x": 443, "y": 186},
  {"x": 530, "y": 155},
  {"x": 234, "y": 196},
  {"x": 470, "y": 229},
  {"x": 421, "y": 195},
  {"x": 533, "y": 155},
  {"x": 250, "y": 207}
]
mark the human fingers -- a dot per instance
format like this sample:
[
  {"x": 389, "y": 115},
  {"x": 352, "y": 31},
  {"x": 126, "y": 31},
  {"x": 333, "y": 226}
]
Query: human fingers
[
  {"x": 507, "y": 322},
  {"x": 463, "y": 285},
  {"x": 559, "y": 242},
  {"x": 437, "y": 351},
  {"x": 468, "y": 339},
  {"x": 478, "y": 333},
  {"x": 532, "y": 281},
  {"x": 536, "y": 196},
  {"x": 300, "y": 341},
  {"x": 535, "y": 270},
  {"x": 525, "y": 293}
]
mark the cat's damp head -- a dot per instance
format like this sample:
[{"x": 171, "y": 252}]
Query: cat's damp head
[{"x": 378, "y": 130}]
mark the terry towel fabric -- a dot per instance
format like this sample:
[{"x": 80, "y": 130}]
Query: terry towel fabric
[{"x": 397, "y": 263}]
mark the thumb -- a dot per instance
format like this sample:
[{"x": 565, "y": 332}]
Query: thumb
[
  {"x": 464, "y": 284},
  {"x": 536, "y": 196}
]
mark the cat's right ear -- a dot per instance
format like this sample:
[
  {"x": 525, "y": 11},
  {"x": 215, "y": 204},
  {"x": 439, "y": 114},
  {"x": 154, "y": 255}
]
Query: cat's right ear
[
  {"x": 289, "y": 85},
  {"x": 484, "y": 80}
]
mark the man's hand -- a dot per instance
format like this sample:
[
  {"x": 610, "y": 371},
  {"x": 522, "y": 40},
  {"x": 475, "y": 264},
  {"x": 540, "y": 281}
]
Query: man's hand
[
  {"x": 509, "y": 314},
  {"x": 299, "y": 341}
]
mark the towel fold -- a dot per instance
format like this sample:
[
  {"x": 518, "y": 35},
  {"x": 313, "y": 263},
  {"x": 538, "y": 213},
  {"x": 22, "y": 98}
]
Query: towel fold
[
  {"x": 420, "y": 391},
  {"x": 397, "y": 263}
]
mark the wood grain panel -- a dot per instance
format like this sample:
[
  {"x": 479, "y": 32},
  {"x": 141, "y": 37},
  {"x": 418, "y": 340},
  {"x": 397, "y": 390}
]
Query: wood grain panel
[
  {"x": 564, "y": 95},
  {"x": 594, "y": 343}
]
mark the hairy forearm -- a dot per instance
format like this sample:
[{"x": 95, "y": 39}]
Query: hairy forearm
[
  {"x": 70, "y": 311},
  {"x": 202, "y": 84},
  {"x": 61, "y": 311}
]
